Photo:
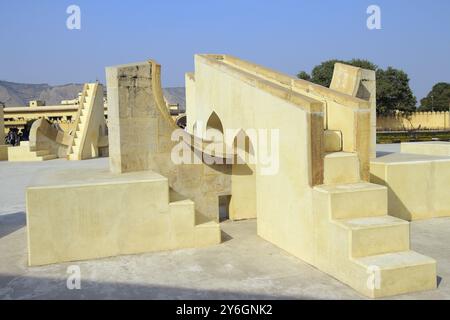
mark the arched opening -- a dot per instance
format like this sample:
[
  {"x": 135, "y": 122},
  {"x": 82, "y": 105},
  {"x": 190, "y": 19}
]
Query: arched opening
[
  {"x": 214, "y": 127},
  {"x": 182, "y": 121},
  {"x": 243, "y": 179}
]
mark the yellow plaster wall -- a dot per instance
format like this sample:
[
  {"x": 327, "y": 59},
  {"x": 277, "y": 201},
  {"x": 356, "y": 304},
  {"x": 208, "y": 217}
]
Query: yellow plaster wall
[{"x": 422, "y": 120}]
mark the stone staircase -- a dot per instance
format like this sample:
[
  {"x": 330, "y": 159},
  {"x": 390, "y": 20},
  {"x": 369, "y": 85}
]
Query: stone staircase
[
  {"x": 358, "y": 242},
  {"x": 25, "y": 153},
  {"x": 86, "y": 104}
]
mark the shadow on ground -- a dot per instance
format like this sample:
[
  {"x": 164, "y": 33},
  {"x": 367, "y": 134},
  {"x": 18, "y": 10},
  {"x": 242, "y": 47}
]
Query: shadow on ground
[
  {"x": 10, "y": 223},
  {"x": 25, "y": 287}
]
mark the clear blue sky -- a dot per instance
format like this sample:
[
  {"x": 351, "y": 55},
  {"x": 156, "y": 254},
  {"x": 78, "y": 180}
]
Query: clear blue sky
[{"x": 36, "y": 46}]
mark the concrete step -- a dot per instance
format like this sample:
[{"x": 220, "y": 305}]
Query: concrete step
[
  {"x": 182, "y": 213},
  {"x": 23, "y": 153},
  {"x": 333, "y": 141},
  {"x": 396, "y": 273},
  {"x": 376, "y": 235},
  {"x": 49, "y": 157},
  {"x": 187, "y": 227},
  {"x": 353, "y": 200},
  {"x": 341, "y": 167},
  {"x": 207, "y": 233},
  {"x": 73, "y": 156},
  {"x": 39, "y": 153},
  {"x": 87, "y": 101}
]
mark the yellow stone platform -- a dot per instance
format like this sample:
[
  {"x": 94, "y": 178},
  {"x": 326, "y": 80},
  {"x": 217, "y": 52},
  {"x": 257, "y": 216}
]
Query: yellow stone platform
[
  {"x": 418, "y": 185},
  {"x": 94, "y": 214},
  {"x": 25, "y": 153},
  {"x": 431, "y": 148}
]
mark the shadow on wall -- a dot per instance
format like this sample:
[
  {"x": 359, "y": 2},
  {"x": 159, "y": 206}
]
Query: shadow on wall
[
  {"x": 10, "y": 223},
  {"x": 402, "y": 211},
  {"x": 382, "y": 154}
]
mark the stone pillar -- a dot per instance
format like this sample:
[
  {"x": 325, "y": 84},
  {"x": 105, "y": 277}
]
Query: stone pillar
[
  {"x": 368, "y": 91},
  {"x": 140, "y": 129},
  {"x": 133, "y": 123},
  {"x": 360, "y": 83}
]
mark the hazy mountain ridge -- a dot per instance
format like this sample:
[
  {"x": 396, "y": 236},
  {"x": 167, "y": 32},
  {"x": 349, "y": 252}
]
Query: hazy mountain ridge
[{"x": 19, "y": 94}]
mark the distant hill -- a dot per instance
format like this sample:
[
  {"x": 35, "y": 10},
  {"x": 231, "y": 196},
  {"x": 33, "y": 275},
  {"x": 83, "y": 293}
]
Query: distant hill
[{"x": 19, "y": 94}]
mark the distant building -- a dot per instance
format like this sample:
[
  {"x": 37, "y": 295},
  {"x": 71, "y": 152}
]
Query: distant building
[
  {"x": 36, "y": 103},
  {"x": 75, "y": 101}
]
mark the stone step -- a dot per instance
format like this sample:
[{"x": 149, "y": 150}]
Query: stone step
[
  {"x": 73, "y": 156},
  {"x": 341, "y": 167},
  {"x": 87, "y": 101},
  {"x": 333, "y": 140},
  {"x": 206, "y": 233},
  {"x": 23, "y": 153},
  {"x": 39, "y": 153},
  {"x": 49, "y": 157},
  {"x": 353, "y": 200},
  {"x": 183, "y": 213},
  {"x": 376, "y": 235},
  {"x": 396, "y": 273},
  {"x": 183, "y": 217}
]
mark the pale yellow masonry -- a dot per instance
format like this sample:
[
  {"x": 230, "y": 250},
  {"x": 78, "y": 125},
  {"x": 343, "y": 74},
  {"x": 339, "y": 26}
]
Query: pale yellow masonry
[
  {"x": 417, "y": 180},
  {"x": 47, "y": 141},
  {"x": 97, "y": 214},
  {"x": 315, "y": 203},
  {"x": 129, "y": 209},
  {"x": 24, "y": 152},
  {"x": 319, "y": 206},
  {"x": 90, "y": 124}
]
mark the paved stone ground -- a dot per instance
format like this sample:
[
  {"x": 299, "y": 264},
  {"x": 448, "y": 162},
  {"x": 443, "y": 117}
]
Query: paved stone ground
[{"x": 243, "y": 267}]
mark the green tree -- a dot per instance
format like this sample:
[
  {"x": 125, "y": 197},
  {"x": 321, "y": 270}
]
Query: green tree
[
  {"x": 361, "y": 63},
  {"x": 304, "y": 76},
  {"x": 323, "y": 73},
  {"x": 393, "y": 91},
  {"x": 438, "y": 99}
]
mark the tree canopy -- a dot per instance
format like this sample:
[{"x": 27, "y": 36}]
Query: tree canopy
[
  {"x": 393, "y": 90},
  {"x": 438, "y": 99},
  {"x": 304, "y": 76}
]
